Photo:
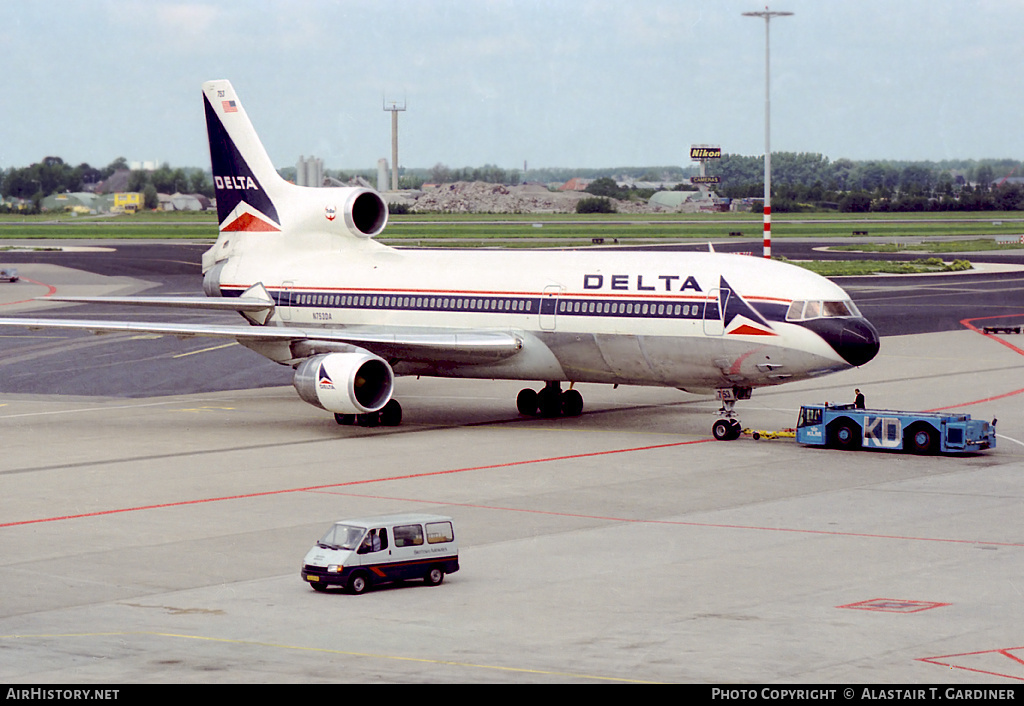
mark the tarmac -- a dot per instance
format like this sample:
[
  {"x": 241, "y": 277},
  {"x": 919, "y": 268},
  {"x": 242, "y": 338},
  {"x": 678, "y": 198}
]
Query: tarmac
[{"x": 159, "y": 539}]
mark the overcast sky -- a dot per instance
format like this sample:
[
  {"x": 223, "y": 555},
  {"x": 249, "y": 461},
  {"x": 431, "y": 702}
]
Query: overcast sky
[{"x": 555, "y": 83}]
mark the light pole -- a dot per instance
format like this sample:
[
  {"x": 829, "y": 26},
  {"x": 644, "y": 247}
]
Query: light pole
[{"x": 767, "y": 15}]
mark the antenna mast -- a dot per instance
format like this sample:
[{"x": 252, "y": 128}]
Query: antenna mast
[{"x": 394, "y": 107}]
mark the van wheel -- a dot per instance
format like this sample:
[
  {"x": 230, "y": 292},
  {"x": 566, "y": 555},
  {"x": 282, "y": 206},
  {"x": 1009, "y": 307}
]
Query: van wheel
[
  {"x": 434, "y": 576},
  {"x": 359, "y": 583},
  {"x": 319, "y": 587}
]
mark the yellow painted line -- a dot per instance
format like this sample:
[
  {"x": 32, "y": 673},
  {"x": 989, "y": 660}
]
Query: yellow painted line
[
  {"x": 207, "y": 408},
  {"x": 206, "y": 350},
  {"x": 323, "y": 650}
]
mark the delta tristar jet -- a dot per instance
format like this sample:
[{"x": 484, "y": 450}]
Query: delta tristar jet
[{"x": 348, "y": 314}]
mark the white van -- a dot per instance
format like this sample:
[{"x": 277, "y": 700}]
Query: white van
[{"x": 356, "y": 554}]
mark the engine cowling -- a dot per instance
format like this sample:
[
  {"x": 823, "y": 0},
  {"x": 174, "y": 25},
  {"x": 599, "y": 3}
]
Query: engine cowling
[{"x": 345, "y": 383}]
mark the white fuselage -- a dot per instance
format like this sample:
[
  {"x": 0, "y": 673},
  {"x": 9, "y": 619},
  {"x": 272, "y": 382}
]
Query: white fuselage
[{"x": 584, "y": 316}]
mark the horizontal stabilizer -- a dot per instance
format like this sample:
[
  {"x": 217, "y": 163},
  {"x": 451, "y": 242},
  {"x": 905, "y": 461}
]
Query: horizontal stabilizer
[
  {"x": 255, "y": 304},
  {"x": 210, "y": 303}
]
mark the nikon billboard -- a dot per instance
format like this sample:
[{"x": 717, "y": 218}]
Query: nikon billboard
[{"x": 699, "y": 152}]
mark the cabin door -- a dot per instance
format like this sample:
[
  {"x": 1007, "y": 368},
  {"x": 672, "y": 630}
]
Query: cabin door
[
  {"x": 549, "y": 307},
  {"x": 714, "y": 311}
]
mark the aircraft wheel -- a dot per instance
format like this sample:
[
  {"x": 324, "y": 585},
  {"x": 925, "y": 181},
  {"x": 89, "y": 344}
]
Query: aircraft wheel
[
  {"x": 370, "y": 419},
  {"x": 345, "y": 419},
  {"x": 549, "y": 402},
  {"x": 572, "y": 403},
  {"x": 726, "y": 429},
  {"x": 391, "y": 415},
  {"x": 526, "y": 402}
]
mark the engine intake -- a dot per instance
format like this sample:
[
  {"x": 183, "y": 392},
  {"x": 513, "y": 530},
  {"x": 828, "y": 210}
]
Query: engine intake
[
  {"x": 366, "y": 214},
  {"x": 345, "y": 383}
]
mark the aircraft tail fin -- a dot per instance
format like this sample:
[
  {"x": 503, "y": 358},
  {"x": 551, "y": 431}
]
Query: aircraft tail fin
[
  {"x": 252, "y": 196},
  {"x": 244, "y": 179}
]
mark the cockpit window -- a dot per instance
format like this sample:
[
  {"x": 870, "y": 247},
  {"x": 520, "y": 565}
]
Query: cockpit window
[{"x": 804, "y": 310}]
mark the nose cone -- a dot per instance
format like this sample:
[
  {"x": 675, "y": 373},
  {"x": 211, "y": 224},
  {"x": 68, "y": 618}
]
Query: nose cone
[{"x": 856, "y": 340}]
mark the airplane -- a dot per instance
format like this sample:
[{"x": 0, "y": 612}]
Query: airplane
[{"x": 349, "y": 314}]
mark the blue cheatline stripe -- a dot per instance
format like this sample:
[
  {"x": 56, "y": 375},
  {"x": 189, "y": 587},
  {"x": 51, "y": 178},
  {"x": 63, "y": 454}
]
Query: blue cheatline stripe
[{"x": 564, "y": 305}]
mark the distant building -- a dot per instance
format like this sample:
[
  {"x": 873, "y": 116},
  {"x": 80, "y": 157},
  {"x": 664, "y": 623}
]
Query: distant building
[
  {"x": 75, "y": 202},
  {"x": 127, "y": 202},
  {"x": 309, "y": 172},
  {"x": 183, "y": 202}
]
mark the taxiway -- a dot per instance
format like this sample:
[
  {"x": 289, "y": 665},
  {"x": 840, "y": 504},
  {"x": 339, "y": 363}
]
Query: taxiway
[{"x": 154, "y": 537}]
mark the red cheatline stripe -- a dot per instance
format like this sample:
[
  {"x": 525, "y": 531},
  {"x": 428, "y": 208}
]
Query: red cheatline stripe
[{"x": 354, "y": 482}]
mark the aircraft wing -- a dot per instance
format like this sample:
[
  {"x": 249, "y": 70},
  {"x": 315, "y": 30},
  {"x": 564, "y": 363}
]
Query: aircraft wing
[{"x": 463, "y": 346}]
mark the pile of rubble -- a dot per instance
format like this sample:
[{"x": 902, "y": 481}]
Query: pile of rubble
[{"x": 481, "y": 197}]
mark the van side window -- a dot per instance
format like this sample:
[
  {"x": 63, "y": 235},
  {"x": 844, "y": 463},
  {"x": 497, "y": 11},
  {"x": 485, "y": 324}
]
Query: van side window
[
  {"x": 376, "y": 540},
  {"x": 408, "y": 535},
  {"x": 438, "y": 532}
]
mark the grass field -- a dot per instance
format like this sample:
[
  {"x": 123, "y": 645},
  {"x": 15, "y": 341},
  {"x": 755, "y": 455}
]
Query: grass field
[{"x": 910, "y": 231}]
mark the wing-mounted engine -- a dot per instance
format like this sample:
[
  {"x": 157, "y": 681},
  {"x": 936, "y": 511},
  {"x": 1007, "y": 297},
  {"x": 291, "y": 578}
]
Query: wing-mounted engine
[{"x": 345, "y": 383}]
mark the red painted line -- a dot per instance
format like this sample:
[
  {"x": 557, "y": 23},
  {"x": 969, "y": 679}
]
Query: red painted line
[
  {"x": 967, "y": 324},
  {"x": 681, "y": 523},
  {"x": 1004, "y": 651},
  {"x": 50, "y": 291},
  {"x": 968, "y": 404},
  {"x": 365, "y": 481}
]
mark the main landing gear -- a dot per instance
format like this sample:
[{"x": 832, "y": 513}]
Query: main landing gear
[
  {"x": 728, "y": 427},
  {"x": 550, "y": 402},
  {"x": 388, "y": 416}
]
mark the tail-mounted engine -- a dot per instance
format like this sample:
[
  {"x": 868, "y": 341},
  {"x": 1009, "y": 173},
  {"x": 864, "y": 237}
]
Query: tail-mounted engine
[
  {"x": 354, "y": 211},
  {"x": 345, "y": 383}
]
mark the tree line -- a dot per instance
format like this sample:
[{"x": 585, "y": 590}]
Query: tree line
[
  {"x": 805, "y": 182},
  {"x": 800, "y": 181},
  {"x": 53, "y": 175}
]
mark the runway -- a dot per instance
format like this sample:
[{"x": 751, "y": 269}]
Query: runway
[{"x": 155, "y": 537}]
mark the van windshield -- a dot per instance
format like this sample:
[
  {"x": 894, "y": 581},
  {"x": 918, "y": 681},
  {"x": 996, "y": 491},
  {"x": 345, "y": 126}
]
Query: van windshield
[{"x": 342, "y": 537}]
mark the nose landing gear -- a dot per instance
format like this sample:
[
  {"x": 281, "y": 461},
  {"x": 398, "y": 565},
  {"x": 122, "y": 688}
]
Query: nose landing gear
[{"x": 728, "y": 427}]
